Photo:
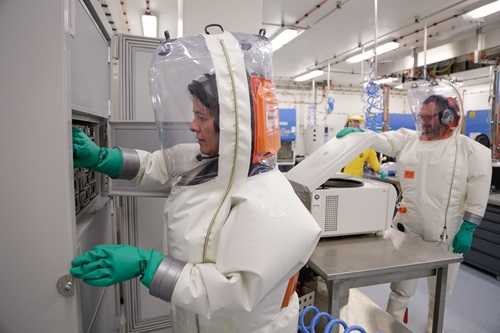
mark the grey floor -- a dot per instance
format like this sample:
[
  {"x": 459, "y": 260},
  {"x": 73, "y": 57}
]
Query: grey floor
[{"x": 473, "y": 307}]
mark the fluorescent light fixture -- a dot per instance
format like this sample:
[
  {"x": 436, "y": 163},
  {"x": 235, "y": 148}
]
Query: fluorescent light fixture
[
  {"x": 360, "y": 57},
  {"x": 387, "y": 80},
  {"x": 382, "y": 81},
  {"x": 284, "y": 37},
  {"x": 309, "y": 75},
  {"x": 149, "y": 25},
  {"x": 483, "y": 11},
  {"x": 384, "y": 48}
]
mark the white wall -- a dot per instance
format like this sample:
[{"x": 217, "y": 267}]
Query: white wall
[
  {"x": 476, "y": 97},
  {"x": 347, "y": 102},
  {"x": 352, "y": 101}
]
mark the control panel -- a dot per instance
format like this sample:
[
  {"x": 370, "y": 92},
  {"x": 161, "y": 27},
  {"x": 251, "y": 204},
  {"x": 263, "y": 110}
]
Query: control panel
[{"x": 86, "y": 182}]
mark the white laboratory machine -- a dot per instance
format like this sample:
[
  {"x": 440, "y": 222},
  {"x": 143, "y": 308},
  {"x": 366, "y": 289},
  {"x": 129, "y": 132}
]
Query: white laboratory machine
[{"x": 340, "y": 203}]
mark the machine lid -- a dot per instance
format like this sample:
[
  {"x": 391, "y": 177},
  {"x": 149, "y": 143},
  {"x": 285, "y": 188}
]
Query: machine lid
[
  {"x": 329, "y": 159},
  {"x": 342, "y": 182}
]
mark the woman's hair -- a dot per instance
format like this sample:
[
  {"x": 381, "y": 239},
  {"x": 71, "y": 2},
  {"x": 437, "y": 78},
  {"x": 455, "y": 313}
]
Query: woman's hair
[{"x": 204, "y": 88}]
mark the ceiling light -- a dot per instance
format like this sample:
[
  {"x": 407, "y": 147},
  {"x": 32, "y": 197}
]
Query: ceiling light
[
  {"x": 284, "y": 37},
  {"x": 309, "y": 75},
  {"x": 360, "y": 57},
  {"x": 483, "y": 11},
  {"x": 387, "y": 80},
  {"x": 149, "y": 25},
  {"x": 384, "y": 48}
]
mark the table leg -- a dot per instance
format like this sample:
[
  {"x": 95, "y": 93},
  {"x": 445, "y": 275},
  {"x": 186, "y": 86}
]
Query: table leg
[
  {"x": 439, "y": 299},
  {"x": 334, "y": 301}
]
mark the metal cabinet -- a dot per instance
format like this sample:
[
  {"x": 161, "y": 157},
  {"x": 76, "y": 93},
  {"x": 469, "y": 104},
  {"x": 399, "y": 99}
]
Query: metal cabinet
[
  {"x": 48, "y": 214},
  {"x": 485, "y": 251},
  {"x": 51, "y": 212}
]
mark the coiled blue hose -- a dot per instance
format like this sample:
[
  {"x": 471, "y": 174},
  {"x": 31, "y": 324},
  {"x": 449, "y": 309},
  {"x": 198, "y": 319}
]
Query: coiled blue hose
[
  {"x": 329, "y": 326},
  {"x": 331, "y": 105},
  {"x": 373, "y": 102}
]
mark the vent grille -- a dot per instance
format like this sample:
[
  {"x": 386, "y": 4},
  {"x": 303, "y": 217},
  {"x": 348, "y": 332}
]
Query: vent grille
[{"x": 331, "y": 212}]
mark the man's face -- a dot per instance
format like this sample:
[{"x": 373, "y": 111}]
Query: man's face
[
  {"x": 429, "y": 120},
  {"x": 203, "y": 125}
]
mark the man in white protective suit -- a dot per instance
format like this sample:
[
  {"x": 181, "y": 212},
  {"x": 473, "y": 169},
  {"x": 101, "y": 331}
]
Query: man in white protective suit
[
  {"x": 445, "y": 179},
  {"x": 235, "y": 233}
]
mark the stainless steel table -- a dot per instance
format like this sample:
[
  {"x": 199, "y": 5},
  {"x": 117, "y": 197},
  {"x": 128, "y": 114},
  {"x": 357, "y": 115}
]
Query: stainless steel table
[{"x": 356, "y": 261}]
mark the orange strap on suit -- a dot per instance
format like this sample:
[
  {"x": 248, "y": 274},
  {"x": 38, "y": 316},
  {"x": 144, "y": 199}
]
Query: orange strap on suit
[{"x": 290, "y": 289}]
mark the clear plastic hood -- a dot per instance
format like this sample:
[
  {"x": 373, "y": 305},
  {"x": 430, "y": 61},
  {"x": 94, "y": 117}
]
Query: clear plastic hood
[
  {"x": 219, "y": 87},
  {"x": 325, "y": 162}
]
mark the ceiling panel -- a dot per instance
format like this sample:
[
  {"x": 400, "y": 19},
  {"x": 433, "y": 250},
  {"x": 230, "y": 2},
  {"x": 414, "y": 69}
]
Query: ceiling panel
[{"x": 335, "y": 30}]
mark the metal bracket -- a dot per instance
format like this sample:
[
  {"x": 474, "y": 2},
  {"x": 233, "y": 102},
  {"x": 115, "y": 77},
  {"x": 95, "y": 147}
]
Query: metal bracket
[{"x": 65, "y": 285}]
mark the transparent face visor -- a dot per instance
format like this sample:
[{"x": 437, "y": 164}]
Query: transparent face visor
[
  {"x": 182, "y": 86},
  {"x": 437, "y": 110},
  {"x": 185, "y": 99}
]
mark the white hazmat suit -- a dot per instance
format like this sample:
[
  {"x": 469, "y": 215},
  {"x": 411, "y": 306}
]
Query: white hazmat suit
[
  {"x": 233, "y": 242},
  {"x": 444, "y": 182}
]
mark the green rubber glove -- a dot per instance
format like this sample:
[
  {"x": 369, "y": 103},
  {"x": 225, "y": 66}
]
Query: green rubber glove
[
  {"x": 343, "y": 132},
  {"x": 86, "y": 154},
  {"x": 463, "y": 239},
  {"x": 108, "y": 264},
  {"x": 383, "y": 175}
]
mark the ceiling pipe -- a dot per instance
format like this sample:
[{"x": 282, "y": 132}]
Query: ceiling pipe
[
  {"x": 296, "y": 24},
  {"x": 349, "y": 52},
  {"x": 311, "y": 11},
  {"x": 479, "y": 44},
  {"x": 386, "y": 101},
  {"x": 328, "y": 80},
  {"x": 362, "y": 65},
  {"x": 124, "y": 12},
  {"x": 407, "y": 44},
  {"x": 425, "y": 49},
  {"x": 495, "y": 107},
  {"x": 375, "y": 42}
]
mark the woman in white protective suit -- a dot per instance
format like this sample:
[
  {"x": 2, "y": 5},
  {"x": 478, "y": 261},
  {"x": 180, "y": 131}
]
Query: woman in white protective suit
[
  {"x": 235, "y": 234},
  {"x": 445, "y": 179}
]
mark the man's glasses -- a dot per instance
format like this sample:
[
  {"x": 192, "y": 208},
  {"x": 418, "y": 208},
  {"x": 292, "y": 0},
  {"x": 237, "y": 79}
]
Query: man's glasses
[{"x": 426, "y": 118}]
